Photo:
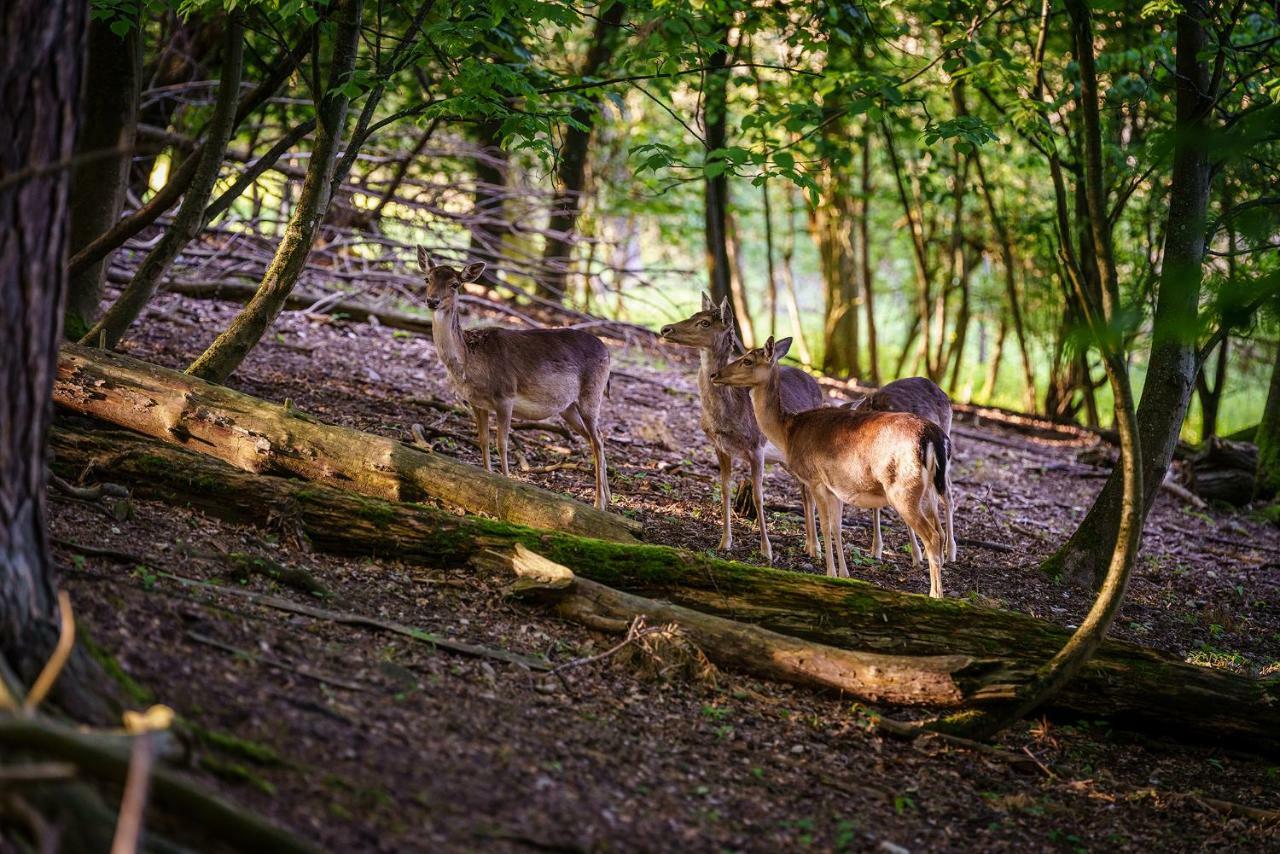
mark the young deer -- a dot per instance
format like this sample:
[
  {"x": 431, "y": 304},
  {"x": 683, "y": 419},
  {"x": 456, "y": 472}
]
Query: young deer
[
  {"x": 921, "y": 397},
  {"x": 867, "y": 459},
  {"x": 528, "y": 373},
  {"x": 727, "y": 418}
]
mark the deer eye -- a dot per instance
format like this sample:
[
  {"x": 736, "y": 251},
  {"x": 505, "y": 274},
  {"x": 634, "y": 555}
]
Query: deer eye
[
  {"x": 704, "y": 323},
  {"x": 747, "y": 363}
]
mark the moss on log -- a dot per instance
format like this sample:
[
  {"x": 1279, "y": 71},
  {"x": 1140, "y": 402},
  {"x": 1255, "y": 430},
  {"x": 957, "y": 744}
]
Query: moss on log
[
  {"x": 267, "y": 438},
  {"x": 1127, "y": 684}
]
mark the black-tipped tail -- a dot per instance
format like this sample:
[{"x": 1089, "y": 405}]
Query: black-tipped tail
[{"x": 936, "y": 441}]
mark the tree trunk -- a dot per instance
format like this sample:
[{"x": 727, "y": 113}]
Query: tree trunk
[
  {"x": 99, "y": 180},
  {"x": 789, "y": 282},
  {"x": 488, "y": 224},
  {"x": 189, "y": 221},
  {"x": 1173, "y": 363},
  {"x": 40, "y": 76},
  {"x": 988, "y": 653},
  {"x": 716, "y": 189},
  {"x": 1211, "y": 395},
  {"x": 572, "y": 167},
  {"x": 265, "y": 437},
  {"x": 993, "y": 364},
  {"x": 1267, "y": 437},
  {"x": 832, "y": 224},
  {"x": 182, "y": 174},
  {"x": 866, "y": 283},
  {"x": 738, "y": 284},
  {"x": 231, "y": 347},
  {"x": 919, "y": 253}
]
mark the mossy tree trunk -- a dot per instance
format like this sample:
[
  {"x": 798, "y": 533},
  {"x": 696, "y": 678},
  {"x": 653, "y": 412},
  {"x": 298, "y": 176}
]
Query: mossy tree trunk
[
  {"x": 265, "y": 437},
  {"x": 99, "y": 180},
  {"x": 1267, "y": 437},
  {"x": 990, "y": 653},
  {"x": 230, "y": 348}
]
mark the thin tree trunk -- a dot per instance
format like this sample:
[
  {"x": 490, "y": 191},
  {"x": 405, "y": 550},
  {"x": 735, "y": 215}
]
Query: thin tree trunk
[
  {"x": 572, "y": 168},
  {"x": 768, "y": 255},
  {"x": 789, "y": 282},
  {"x": 919, "y": 252},
  {"x": 1211, "y": 395},
  {"x": 230, "y": 348},
  {"x": 993, "y": 365},
  {"x": 1007, "y": 260},
  {"x": 182, "y": 174},
  {"x": 866, "y": 284},
  {"x": 716, "y": 189},
  {"x": 189, "y": 221},
  {"x": 249, "y": 176},
  {"x": 488, "y": 199},
  {"x": 98, "y": 181},
  {"x": 955, "y": 354},
  {"x": 738, "y": 284},
  {"x": 1173, "y": 364},
  {"x": 40, "y": 76},
  {"x": 1267, "y": 479}
]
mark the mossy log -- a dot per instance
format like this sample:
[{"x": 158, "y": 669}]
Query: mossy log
[
  {"x": 268, "y": 438},
  {"x": 996, "y": 651}
]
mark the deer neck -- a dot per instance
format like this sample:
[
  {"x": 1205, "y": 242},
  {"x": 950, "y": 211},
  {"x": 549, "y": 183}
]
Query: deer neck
[
  {"x": 446, "y": 332},
  {"x": 766, "y": 401},
  {"x": 721, "y": 352}
]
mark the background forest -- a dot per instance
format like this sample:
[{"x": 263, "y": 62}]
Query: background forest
[{"x": 230, "y": 425}]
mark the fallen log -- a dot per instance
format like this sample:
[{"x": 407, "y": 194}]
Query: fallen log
[
  {"x": 267, "y": 438},
  {"x": 350, "y": 309},
  {"x": 1127, "y": 684}
]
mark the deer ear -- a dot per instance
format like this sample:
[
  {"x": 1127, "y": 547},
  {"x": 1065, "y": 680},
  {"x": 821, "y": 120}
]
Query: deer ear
[
  {"x": 768, "y": 348},
  {"x": 726, "y": 315},
  {"x": 471, "y": 272},
  {"x": 424, "y": 260},
  {"x": 780, "y": 348},
  {"x": 707, "y": 302}
]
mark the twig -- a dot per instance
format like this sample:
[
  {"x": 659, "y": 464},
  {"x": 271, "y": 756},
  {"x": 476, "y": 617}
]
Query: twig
[
  {"x": 53, "y": 667},
  {"x": 36, "y": 772},
  {"x": 277, "y": 663},
  {"x": 634, "y": 633},
  {"x": 134, "y": 801},
  {"x": 985, "y": 544},
  {"x": 350, "y": 619},
  {"x": 97, "y": 551}
]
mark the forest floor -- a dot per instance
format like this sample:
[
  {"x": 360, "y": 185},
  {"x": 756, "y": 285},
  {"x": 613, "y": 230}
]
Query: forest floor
[{"x": 366, "y": 741}]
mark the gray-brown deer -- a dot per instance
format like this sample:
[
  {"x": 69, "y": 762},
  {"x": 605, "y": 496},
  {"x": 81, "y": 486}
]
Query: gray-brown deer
[
  {"x": 865, "y": 458},
  {"x": 727, "y": 417},
  {"x": 923, "y": 397},
  {"x": 532, "y": 374}
]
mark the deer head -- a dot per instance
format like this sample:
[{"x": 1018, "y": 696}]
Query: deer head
[
  {"x": 753, "y": 367},
  {"x": 704, "y": 328},
  {"x": 443, "y": 282}
]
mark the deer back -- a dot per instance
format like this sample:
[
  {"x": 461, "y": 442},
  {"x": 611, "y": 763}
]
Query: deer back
[
  {"x": 546, "y": 368},
  {"x": 915, "y": 395}
]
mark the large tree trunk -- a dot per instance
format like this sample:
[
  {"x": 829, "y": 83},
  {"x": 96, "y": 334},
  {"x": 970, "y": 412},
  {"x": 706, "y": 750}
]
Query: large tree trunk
[
  {"x": 189, "y": 221},
  {"x": 99, "y": 179},
  {"x": 832, "y": 223},
  {"x": 866, "y": 282},
  {"x": 985, "y": 654},
  {"x": 1173, "y": 364},
  {"x": 230, "y": 348},
  {"x": 40, "y": 76},
  {"x": 265, "y": 437},
  {"x": 572, "y": 168}
]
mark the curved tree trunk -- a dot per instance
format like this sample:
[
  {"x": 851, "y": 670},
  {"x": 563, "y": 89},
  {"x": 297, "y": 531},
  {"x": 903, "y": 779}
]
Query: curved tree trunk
[
  {"x": 189, "y": 220},
  {"x": 40, "y": 76},
  {"x": 1173, "y": 364},
  {"x": 229, "y": 349},
  {"x": 99, "y": 181},
  {"x": 1267, "y": 437},
  {"x": 716, "y": 187},
  {"x": 572, "y": 168}
]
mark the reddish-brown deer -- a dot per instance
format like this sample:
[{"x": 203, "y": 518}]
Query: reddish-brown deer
[
  {"x": 728, "y": 420},
  {"x": 923, "y": 397},
  {"x": 864, "y": 458},
  {"x": 532, "y": 374}
]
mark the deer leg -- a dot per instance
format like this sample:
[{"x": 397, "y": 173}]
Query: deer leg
[
  {"x": 915, "y": 548},
  {"x": 821, "y": 497},
  {"x": 726, "y": 501},
  {"x": 949, "y": 503},
  {"x": 925, "y": 523},
  {"x": 837, "y": 507},
  {"x": 482, "y": 433},
  {"x": 603, "y": 496},
  {"x": 757, "y": 488},
  {"x": 810, "y": 522},
  {"x": 877, "y": 544},
  {"x": 504, "y": 428}
]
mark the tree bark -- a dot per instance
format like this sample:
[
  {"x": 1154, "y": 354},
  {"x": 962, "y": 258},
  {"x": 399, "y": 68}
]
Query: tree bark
[
  {"x": 265, "y": 437},
  {"x": 40, "y": 76},
  {"x": 987, "y": 653},
  {"x": 866, "y": 283},
  {"x": 229, "y": 349},
  {"x": 1173, "y": 364},
  {"x": 189, "y": 221},
  {"x": 488, "y": 223},
  {"x": 833, "y": 222},
  {"x": 182, "y": 174},
  {"x": 571, "y": 169},
  {"x": 1267, "y": 437},
  {"x": 716, "y": 189},
  {"x": 99, "y": 180}
]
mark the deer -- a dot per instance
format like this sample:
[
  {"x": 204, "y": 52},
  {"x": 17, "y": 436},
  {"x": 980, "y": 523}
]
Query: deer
[
  {"x": 869, "y": 459},
  {"x": 727, "y": 417},
  {"x": 924, "y": 398},
  {"x": 532, "y": 374}
]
